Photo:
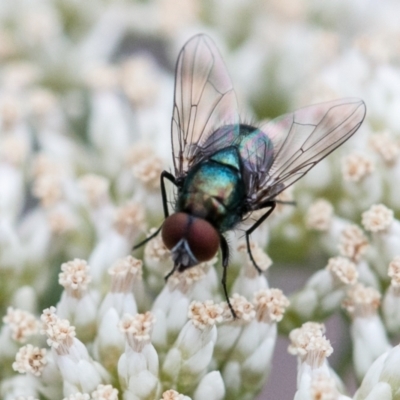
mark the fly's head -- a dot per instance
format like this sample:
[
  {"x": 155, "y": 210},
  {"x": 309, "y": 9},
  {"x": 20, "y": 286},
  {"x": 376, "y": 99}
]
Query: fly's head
[{"x": 191, "y": 240}]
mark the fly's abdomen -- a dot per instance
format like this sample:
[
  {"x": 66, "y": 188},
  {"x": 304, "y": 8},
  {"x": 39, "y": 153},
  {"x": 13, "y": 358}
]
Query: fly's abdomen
[{"x": 214, "y": 191}]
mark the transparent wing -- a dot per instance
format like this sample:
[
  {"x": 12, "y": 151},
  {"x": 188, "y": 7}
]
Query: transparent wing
[
  {"x": 303, "y": 138},
  {"x": 204, "y": 99}
]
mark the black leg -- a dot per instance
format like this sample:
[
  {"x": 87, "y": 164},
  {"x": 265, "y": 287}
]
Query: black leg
[
  {"x": 171, "y": 178},
  {"x": 174, "y": 268},
  {"x": 289, "y": 203},
  {"x": 225, "y": 262},
  {"x": 270, "y": 204},
  {"x": 152, "y": 236}
]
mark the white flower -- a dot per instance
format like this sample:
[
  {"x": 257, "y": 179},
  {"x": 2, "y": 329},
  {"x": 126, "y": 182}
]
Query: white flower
[
  {"x": 138, "y": 365},
  {"x": 367, "y": 331},
  {"x": 187, "y": 360}
]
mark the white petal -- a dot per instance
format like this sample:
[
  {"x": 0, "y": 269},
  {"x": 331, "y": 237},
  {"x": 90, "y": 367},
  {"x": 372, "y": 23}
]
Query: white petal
[{"x": 211, "y": 387}]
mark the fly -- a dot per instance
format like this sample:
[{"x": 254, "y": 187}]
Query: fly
[{"x": 224, "y": 169}]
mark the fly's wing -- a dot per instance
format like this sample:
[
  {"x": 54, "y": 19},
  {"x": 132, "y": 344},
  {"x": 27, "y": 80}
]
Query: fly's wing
[
  {"x": 204, "y": 99},
  {"x": 303, "y": 138}
]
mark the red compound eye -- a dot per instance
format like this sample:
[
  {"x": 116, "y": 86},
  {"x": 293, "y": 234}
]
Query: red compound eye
[
  {"x": 203, "y": 239},
  {"x": 174, "y": 229},
  {"x": 201, "y": 236}
]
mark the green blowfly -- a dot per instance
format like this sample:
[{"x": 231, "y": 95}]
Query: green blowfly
[{"x": 224, "y": 169}]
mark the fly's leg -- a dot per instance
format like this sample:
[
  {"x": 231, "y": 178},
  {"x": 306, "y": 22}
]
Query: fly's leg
[
  {"x": 272, "y": 205},
  {"x": 225, "y": 262},
  {"x": 171, "y": 178},
  {"x": 288, "y": 203},
  {"x": 174, "y": 268},
  {"x": 153, "y": 235}
]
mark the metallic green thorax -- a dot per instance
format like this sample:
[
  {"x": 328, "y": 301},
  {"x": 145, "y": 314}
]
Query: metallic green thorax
[{"x": 214, "y": 190}]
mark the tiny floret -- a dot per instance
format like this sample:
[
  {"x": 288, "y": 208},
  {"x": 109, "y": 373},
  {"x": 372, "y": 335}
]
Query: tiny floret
[
  {"x": 138, "y": 153},
  {"x": 356, "y": 167},
  {"x": 60, "y": 222},
  {"x": 385, "y": 145},
  {"x": 129, "y": 219},
  {"x": 353, "y": 243},
  {"x": 319, "y": 215},
  {"x": 343, "y": 269},
  {"x": 378, "y": 218},
  {"x": 30, "y": 359},
  {"x": 310, "y": 345},
  {"x": 22, "y": 324},
  {"x": 138, "y": 78},
  {"x": 156, "y": 250},
  {"x": 261, "y": 258},
  {"x": 205, "y": 314},
  {"x": 59, "y": 332},
  {"x": 183, "y": 281},
  {"x": 148, "y": 171},
  {"x": 299, "y": 335},
  {"x": 362, "y": 301},
  {"x": 173, "y": 395},
  {"x": 48, "y": 317},
  {"x": 95, "y": 188},
  {"x": 394, "y": 272},
  {"x": 270, "y": 305},
  {"x": 75, "y": 275},
  {"x": 243, "y": 309},
  {"x": 139, "y": 325},
  {"x": 105, "y": 392},
  {"x": 124, "y": 272}
]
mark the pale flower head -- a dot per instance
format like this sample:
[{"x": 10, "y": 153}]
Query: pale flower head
[
  {"x": 353, "y": 243},
  {"x": 205, "y": 314},
  {"x": 244, "y": 309},
  {"x": 173, "y": 395},
  {"x": 394, "y": 272},
  {"x": 343, "y": 269},
  {"x": 75, "y": 277},
  {"x": 30, "y": 359},
  {"x": 95, "y": 188},
  {"x": 310, "y": 345},
  {"x": 21, "y": 323},
  {"x": 105, "y": 392},
  {"x": 137, "y": 329},
  {"x": 270, "y": 305},
  {"x": 139, "y": 80},
  {"x": 356, "y": 167},
  {"x": 60, "y": 334},
  {"x": 378, "y": 218},
  {"x": 129, "y": 219},
  {"x": 319, "y": 215},
  {"x": 362, "y": 301},
  {"x": 386, "y": 146}
]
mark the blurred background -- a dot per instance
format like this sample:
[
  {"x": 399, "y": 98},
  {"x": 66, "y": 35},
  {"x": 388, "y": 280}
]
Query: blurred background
[{"x": 57, "y": 56}]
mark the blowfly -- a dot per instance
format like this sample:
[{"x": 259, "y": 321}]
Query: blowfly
[{"x": 225, "y": 169}]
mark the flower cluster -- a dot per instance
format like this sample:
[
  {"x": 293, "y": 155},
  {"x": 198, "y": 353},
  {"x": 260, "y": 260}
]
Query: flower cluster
[{"x": 86, "y": 91}]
